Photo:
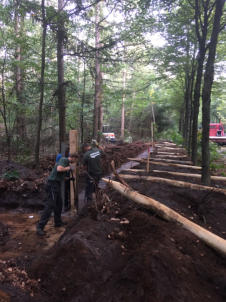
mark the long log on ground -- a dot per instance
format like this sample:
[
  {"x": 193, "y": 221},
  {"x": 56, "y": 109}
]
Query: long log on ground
[
  {"x": 135, "y": 170},
  {"x": 170, "y": 156},
  {"x": 214, "y": 241},
  {"x": 166, "y": 164},
  {"x": 221, "y": 178},
  {"x": 183, "y": 162},
  {"x": 175, "y": 183},
  {"x": 170, "y": 153},
  {"x": 172, "y": 149}
]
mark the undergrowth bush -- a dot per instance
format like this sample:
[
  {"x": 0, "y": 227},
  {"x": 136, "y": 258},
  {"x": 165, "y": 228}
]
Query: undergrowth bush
[
  {"x": 11, "y": 175},
  {"x": 171, "y": 135}
]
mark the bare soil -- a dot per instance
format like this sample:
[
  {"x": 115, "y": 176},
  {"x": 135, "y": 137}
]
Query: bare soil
[{"x": 116, "y": 251}]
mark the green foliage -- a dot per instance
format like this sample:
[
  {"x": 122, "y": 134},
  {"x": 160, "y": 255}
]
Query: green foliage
[
  {"x": 11, "y": 175},
  {"x": 172, "y": 135},
  {"x": 214, "y": 151}
]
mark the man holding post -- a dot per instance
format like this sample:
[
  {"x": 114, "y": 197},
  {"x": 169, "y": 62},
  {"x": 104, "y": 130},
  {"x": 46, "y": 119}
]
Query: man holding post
[{"x": 53, "y": 189}]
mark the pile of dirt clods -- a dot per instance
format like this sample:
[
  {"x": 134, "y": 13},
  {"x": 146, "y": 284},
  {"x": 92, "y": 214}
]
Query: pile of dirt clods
[{"x": 128, "y": 254}]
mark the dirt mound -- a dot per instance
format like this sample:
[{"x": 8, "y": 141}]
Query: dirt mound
[
  {"x": 16, "y": 170},
  {"x": 120, "y": 154},
  {"x": 20, "y": 186},
  {"x": 207, "y": 208},
  {"x": 130, "y": 255}
]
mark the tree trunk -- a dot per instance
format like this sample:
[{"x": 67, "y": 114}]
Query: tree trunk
[
  {"x": 39, "y": 127},
  {"x": 3, "y": 111},
  {"x": 83, "y": 103},
  {"x": 98, "y": 78},
  {"x": 123, "y": 107},
  {"x": 131, "y": 112},
  {"x": 196, "y": 103},
  {"x": 201, "y": 33},
  {"x": 187, "y": 109},
  {"x": 20, "y": 112},
  {"x": 206, "y": 93},
  {"x": 60, "y": 69}
]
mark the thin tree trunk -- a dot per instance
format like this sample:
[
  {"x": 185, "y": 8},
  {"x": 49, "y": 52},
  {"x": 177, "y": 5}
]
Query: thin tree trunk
[
  {"x": 131, "y": 112},
  {"x": 39, "y": 127},
  {"x": 98, "y": 78},
  {"x": 4, "y": 113},
  {"x": 123, "y": 107},
  {"x": 20, "y": 112},
  {"x": 201, "y": 33},
  {"x": 192, "y": 79},
  {"x": 196, "y": 104},
  {"x": 206, "y": 93},
  {"x": 83, "y": 103},
  {"x": 60, "y": 69}
]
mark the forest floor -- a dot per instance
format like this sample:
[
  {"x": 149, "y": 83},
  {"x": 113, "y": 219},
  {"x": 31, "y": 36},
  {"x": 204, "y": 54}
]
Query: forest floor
[{"x": 117, "y": 251}]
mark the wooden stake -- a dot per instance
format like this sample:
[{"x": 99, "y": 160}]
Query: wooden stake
[
  {"x": 148, "y": 159},
  {"x": 214, "y": 241},
  {"x": 62, "y": 183},
  {"x": 117, "y": 175},
  {"x": 73, "y": 141},
  {"x": 175, "y": 183}
]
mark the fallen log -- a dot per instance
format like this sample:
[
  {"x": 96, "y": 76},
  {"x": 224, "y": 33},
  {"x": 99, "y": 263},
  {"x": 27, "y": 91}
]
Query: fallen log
[
  {"x": 221, "y": 178},
  {"x": 171, "y": 156},
  {"x": 166, "y": 164},
  {"x": 175, "y": 183},
  {"x": 173, "y": 149},
  {"x": 212, "y": 240},
  {"x": 185, "y": 162},
  {"x": 135, "y": 170},
  {"x": 170, "y": 153}
]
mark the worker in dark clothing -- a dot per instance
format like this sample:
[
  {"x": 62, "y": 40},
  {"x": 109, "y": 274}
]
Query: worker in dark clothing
[
  {"x": 92, "y": 162},
  {"x": 53, "y": 189},
  {"x": 67, "y": 201}
]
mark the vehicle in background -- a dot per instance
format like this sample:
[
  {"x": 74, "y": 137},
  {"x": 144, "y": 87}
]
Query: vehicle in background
[
  {"x": 108, "y": 135},
  {"x": 217, "y": 134},
  {"x": 216, "y": 129}
]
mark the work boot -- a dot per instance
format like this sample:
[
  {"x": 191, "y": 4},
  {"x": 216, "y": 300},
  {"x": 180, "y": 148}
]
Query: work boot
[
  {"x": 62, "y": 223},
  {"x": 40, "y": 232}
]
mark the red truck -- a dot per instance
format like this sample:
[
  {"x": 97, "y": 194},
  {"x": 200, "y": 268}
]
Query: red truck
[{"x": 217, "y": 134}]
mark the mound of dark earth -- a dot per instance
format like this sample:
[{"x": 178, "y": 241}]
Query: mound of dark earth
[{"x": 129, "y": 255}]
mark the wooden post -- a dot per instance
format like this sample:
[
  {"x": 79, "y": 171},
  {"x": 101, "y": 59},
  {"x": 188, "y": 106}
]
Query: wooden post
[
  {"x": 62, "y": 183},
  {"x": 148, "y": 159},
  {"x": 73, "y": 147}
]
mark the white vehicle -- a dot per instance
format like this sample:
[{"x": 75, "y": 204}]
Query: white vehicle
[{"x": 109, "y": 136}]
